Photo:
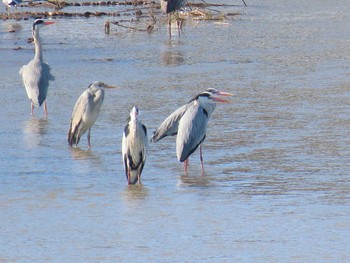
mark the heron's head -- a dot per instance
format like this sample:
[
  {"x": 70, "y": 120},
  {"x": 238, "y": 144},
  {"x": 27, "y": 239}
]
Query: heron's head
[
  {"x": 134, "y": 113},
  {"x": 39, "y": 23},
  {"x": 212, "y": 94}
]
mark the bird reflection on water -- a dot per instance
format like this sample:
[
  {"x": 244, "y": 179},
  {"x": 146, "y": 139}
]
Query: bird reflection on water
[
  {"x": 33, "y": 131},
  {"x": 170, "y": 56},
  {"x": 135, "y": 192},
  {"x": 79, "y": 154},
  {"x": 195, "y": 181}
]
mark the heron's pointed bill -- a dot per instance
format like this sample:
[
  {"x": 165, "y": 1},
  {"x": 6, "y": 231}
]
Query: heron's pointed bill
[
  {"x": 221, "y": 93},
  {"x": 110, "y": 86},
  {"x": 47, "y": 23}
]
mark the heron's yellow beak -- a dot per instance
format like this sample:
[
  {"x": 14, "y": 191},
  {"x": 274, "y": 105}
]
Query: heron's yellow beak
[
  {"x": 47, "y": 23},
  {"x": 110, "y": 86},
  {"x": 221, "y": 93}
]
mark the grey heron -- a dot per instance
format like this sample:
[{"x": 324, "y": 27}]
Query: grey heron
[
  {"x": 36, "y": 74},
  {"x": 134, "y": 147},
  {"x": 171, "y": 6},
  {"x": 85, "y": 112},
  {"x": 10, "y": 3},
  {"x": 189, "y": 123}
]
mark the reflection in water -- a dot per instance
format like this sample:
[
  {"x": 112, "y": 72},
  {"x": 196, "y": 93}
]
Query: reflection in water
[
  {"x": 33, "y": 131},
  {"x": 11, "y": 27},
  {"x": 135, "y": 192},
  {"x": 85, "y": 161},
  {"x": 79, "y": 154},
  {"x": 198, "y": 181},
  {"x": 171, "y": 57}
]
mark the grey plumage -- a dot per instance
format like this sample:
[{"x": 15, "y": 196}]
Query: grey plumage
[
  {"x": 36, "y": 74},
  {"x": 134, "y": 147},
  {"x": 85, "y": 112},
  {"x": 169, "y": 6}
]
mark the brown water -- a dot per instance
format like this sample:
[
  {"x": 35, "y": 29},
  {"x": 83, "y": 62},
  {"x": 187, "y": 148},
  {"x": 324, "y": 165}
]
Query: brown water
[{"x": 276, "y": 184}]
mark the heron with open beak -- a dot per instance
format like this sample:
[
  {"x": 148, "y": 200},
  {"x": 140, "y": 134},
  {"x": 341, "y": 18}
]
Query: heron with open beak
[{"x": 189, "y": 123}]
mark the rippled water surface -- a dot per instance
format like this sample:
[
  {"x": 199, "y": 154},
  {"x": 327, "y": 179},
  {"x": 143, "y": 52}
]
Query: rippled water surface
[{"x": 276, "y": 184}]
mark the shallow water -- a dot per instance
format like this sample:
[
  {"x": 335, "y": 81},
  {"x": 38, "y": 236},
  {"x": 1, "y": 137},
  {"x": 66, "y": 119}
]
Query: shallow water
[{"x": 276, "y": 184}]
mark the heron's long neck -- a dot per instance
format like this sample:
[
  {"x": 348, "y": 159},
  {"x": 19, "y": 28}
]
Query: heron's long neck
[{"x": 38, "y": 47}]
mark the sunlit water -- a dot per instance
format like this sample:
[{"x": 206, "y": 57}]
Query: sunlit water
[{"x": 276, "y": 184}]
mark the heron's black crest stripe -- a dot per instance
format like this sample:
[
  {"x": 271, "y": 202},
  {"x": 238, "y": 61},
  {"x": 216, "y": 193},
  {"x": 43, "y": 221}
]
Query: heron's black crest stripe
[
  {"x": 37, "y": 22},
  {"x": 203, "y": 94}
]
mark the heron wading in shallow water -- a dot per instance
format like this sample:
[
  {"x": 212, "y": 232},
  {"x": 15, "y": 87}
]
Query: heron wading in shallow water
[
  {"x": 86, "y": 111},
  {"x": 169, "y": 7},
  {"x": 10, "y": 3},
  {"x": 36, "y": 74},
  {"x": 189, "y": 123},
  {"x": 134, "y": 147}
]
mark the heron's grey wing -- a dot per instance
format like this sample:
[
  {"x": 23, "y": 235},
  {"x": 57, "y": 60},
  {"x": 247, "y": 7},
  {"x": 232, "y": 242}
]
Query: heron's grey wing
[
  {"x": 125, "y": 149},
  {"x": 170, "y": 125},
  {"x": 30, "y": 76},
  {"x": 36, "y": 76},
  {"x": 144, "y": 140},
  {"x": 78, "y": 124},
  {"x": 145, "y": 137},
  {"x": 192, "y": 130},
  {"x": 44, "y": 79}
]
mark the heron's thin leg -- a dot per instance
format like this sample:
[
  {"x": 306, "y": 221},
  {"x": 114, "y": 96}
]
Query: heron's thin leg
[
  {"x": 186, "y": 165},
  {"x": 88, "y": 137},
  {"x": 139, "y": 177},
  {"x": 179, "y": 25},
  {"x": 128, "y": 176},
  {"x": 169, "y": 24},
  {"x": 45, "y": 108},
  {"x": 201, "y": 158},
  {"x": 32, "y": 107}
]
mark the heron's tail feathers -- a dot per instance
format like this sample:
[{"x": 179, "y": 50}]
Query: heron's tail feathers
[{"x": 73, "y": 137}]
